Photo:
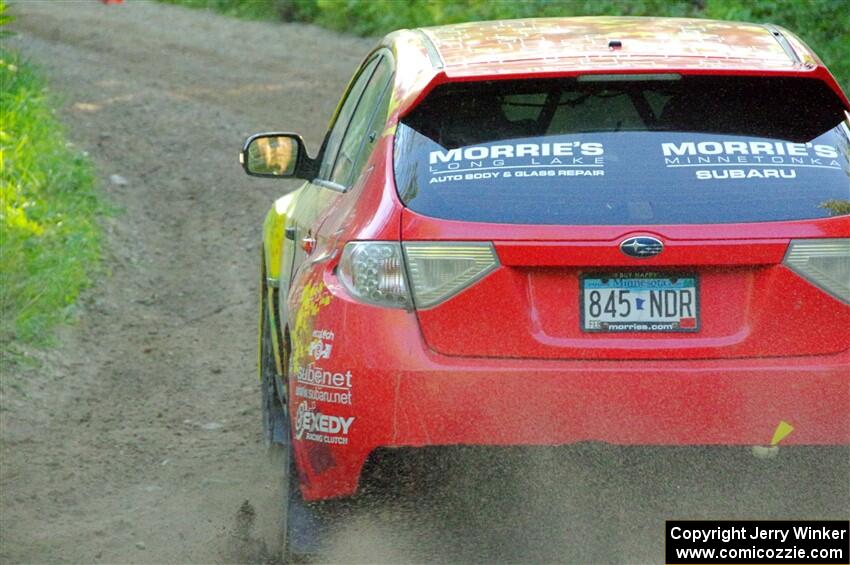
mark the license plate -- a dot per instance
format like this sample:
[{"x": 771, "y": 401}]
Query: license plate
[{"x": 639, "y": 302}]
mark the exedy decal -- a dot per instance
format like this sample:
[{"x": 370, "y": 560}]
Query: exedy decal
[{"x": 312, "y": 425}]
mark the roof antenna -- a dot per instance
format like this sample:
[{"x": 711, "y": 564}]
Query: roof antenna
[{"x": 615, "y": 44}]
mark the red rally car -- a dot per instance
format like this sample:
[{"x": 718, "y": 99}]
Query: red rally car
[{"x": 549, "y": 231}]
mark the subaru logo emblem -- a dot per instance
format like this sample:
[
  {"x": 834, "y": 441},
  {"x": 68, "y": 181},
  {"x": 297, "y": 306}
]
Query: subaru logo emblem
[{"x": 641, "y": 246}]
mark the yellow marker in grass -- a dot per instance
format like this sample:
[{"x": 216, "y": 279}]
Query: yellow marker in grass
[{"x": 782, "y": 431}]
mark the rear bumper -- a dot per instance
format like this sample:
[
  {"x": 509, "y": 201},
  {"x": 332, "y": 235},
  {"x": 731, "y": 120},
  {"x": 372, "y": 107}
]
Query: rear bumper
[
  {"x": 404, "y": 395},
  {"x": 473, "y": 402},
  {"x": 629, "y": 403}
]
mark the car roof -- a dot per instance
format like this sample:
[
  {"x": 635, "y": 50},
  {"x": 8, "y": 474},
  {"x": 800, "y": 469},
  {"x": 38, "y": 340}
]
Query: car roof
[
  {"x": 562, "y": 46},
  {"x": 586, "y": 43}
]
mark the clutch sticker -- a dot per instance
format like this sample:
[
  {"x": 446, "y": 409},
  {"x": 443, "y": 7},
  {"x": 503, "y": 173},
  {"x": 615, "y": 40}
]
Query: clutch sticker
[{"x": 321, "y": 346}]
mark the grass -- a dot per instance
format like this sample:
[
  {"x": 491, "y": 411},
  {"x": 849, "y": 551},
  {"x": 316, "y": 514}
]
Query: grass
[
  {"x": 49, "y": 236},
  {"x": 823, "y": 24}
]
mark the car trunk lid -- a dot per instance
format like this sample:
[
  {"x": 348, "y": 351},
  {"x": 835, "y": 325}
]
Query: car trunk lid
[{"x": 748, "y": 304}]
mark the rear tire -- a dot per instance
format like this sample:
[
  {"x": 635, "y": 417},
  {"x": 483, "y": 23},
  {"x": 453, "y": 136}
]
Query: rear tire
[
  {"x": 283, "y": 463},
  {"x": 302, "y": 525},
  {"x": 275, "y": 422},
  {"x": 276, "y": 436}
]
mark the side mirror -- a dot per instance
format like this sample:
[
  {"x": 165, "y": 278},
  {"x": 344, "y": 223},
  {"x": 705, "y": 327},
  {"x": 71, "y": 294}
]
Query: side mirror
[{"x": 280, "y": 155}]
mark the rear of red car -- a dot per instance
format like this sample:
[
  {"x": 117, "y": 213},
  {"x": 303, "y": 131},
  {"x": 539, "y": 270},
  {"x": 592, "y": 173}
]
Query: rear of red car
[
  {"x": 655, "y": 259},
  {"x": 631, "y": 217}
]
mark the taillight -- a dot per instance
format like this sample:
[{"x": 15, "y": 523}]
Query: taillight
[
  {"x": 439, "y": 270},
  {"x": 373, "y": 272},
  {"x": 823, "y": 262}
]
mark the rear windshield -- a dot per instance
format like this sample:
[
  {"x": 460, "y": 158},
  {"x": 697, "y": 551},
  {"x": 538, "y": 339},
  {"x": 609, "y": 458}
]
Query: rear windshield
[{"x": 663, "y": 150}]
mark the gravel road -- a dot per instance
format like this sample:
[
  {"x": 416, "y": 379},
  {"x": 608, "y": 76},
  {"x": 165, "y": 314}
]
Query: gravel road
[
  {"x": 137, "y": 438},
  {"x": 137, "y": 441}
]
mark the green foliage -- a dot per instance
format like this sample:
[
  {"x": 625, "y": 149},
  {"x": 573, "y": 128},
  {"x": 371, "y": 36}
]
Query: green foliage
[
  {"x": 378, "y": 17},
  {"x": 837, "y": 207},
  {"x": 49, "y": 238},
  {"x": 823, "y": 24},
  {"x": 4, "y": 19},
  {"x": 253, "y": 9}
]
